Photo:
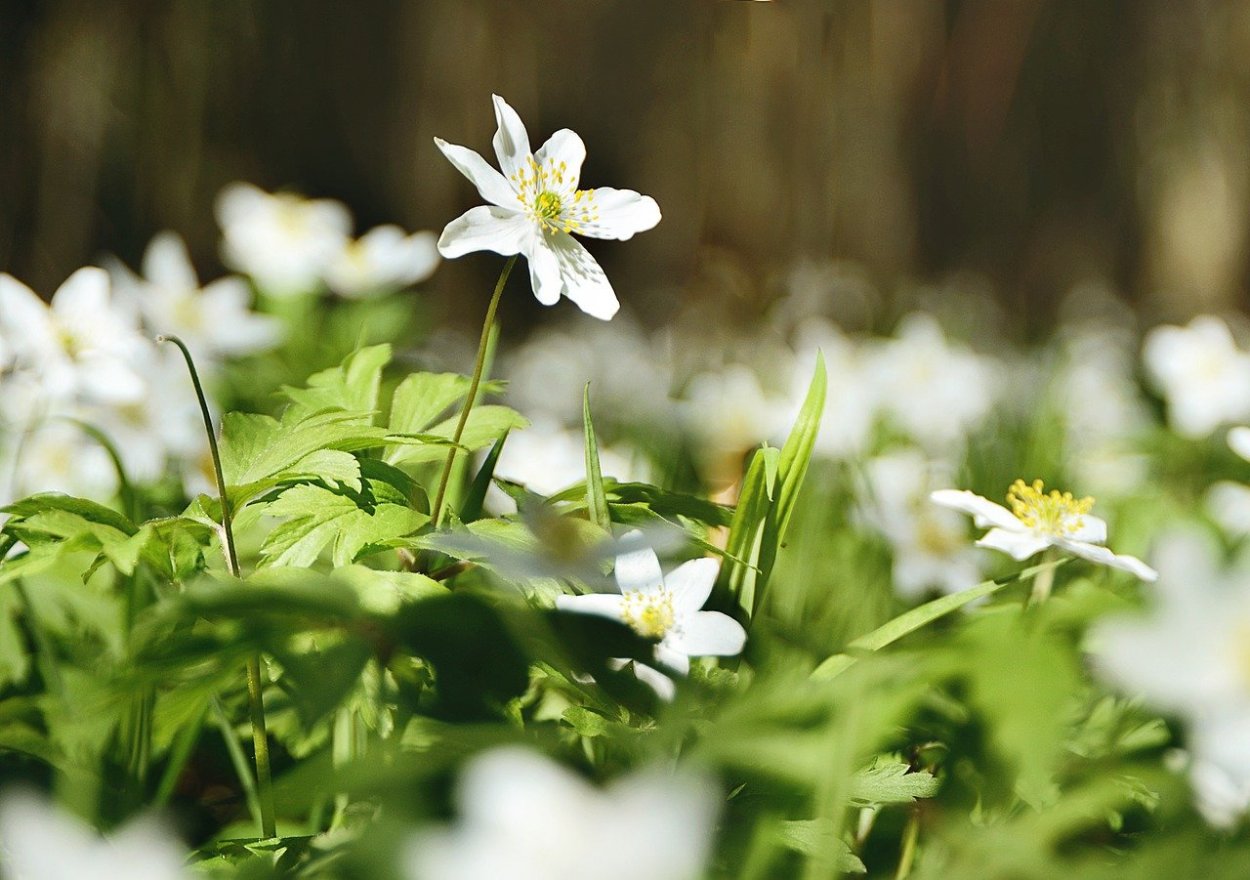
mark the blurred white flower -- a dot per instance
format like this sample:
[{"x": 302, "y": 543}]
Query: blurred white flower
[
  {"x": 1239, "y": 441},
  {"x": 283, "y": 241},
  {"x": 852, "y": 401},
  {"x": 535, "y": 205},
  {"x": 929, "y": 543},
  {"x": 1202, "y": 374},
  {"x": 382, "y": 261},
  {"x": 546, "y": 458},
  {"x": 1038, "y": 520},
  {"x": 728, "y": 412},
  {"x": 39, "y": 842},
  {"x": 665, "y": 608},
  {"x": 524, "y": 817},
  {"x": 81, "y": 346},
  {"x": 59, "y": 456},
  {"x": 1188, "y": 655},
  {"x": 934, "y": 390},
  {"x": 214, "y": 321}
]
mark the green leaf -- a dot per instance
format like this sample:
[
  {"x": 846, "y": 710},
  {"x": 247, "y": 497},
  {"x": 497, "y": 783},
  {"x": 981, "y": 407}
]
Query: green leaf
[
  {"x": 353, "y": 386},
  {"x": 739, "y": 579},
  {"x": 596, "y": 500},
  {"x": 816, "y": 838},
  {"x": 320, "y": 517},
  {"x": 485, "y": 425},
  {"x": 422, "y": 397},
  {"x": 14, "y": 661},
  {"x": 890, "y": 782},
  {"x": 471, "y": 508}
]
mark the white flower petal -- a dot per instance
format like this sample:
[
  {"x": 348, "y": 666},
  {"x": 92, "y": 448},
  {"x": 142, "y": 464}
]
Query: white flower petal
[
  {"x": 167, "y": 265},
  {"x": 638, "y": 569},
  {"x": 672, "y": 658},
  {"x": 709, "y": 633},
  {"x": 1103, "y": 556},
  {"x": 545, "y": 276},
  {"x": 985, "y": 512},
  {"x": 1019, "y": 545},
  {"x": 491, "y": 185},
  {"x": 691, "y": 583},
  {"x": 511, "y": 141},
  {"x": 584, "y": 281},
  {"x": 486, "y": 228},
  {"x": 87, "y": 290},
  {"x": 564, "y": 146},
  {"x": 1239, "y": 442},
  {"x": 599, "y": 604},
  {"x": 664, "y": 687},
  {"x": 513, "y": 786},
  {"x": 110, "y": 380},
  {"x": 622, "y": 213},
  {"x": 24, "y": 316},
  {"x": 1093, "y": 530}
]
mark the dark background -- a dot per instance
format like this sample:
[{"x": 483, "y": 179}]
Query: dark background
[{"x": 1037, "y": 144}]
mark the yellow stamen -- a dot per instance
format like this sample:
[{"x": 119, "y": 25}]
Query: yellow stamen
[
  {"x": 1053, "y": 513},
  {"x": 649, "y": 614}
]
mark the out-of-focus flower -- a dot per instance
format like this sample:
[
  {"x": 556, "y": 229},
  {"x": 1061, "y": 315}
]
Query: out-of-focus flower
[
  {"x": 524, "y": 817},
  {"x": 1038, "y": 520},
  {"x": 39, "y": 842},
  {"x": 215, "y": 321},
  {"x": 1188, "y": 656},
  {"x": 534, "y": 207},
  {"x": 1202, "y": 374},
  {"x": 80, "y": 346},
  {"x": 729, "y": 413},
  {"x": 283, "y": 241},
  {"x": 59, "y": 456},
  {"x": 383, "y": 260},
  {"x": 929, "y": 543},
  {"x": 852, "y": 401},
  {"x": 546, "y": 458},
  {"x": 933, "y": 389},
  {"x": 667, "y": 609}
]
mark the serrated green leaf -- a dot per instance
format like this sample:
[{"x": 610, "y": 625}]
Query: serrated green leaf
[
  {"x": 485, "y": 425},
  {"x": 321, "y": 518},
  {"x": 891, "y": 782},
  {"x": 352, "y": 386},
  {"x": 816, "y": 838}
]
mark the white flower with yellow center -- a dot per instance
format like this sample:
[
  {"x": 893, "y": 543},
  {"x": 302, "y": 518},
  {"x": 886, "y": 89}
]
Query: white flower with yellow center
[
  {"x": 525, "y": 817},
  {"x": 666, "y": 609},
  {"x": 1202, "y": 374},
  {"x": 536, "y": 206},
  {"x": 39, "y": 842},
  {"x": 1038, "y": 520},
  {"x": 383, "y": 260}
]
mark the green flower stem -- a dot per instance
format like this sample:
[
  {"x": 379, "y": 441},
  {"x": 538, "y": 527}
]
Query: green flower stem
[
  {"x": 436, "y": 512},
  {"x": 255, "y": 684},
  {"x": 911, "y": 834},
  {"x": 1044, "y": 582}
]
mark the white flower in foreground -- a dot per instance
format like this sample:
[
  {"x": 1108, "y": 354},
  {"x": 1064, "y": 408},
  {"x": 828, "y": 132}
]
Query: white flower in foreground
[
  {"x": 525, "y": 817},
  {"x": 1188, "y": 656},
  {"x": 1201, "y": 372},
  {"x": 80, "y": 346},
  {"x": 1038, "y": 520},
  {"x": 667, "y": 609},
  {"x": 284, "y": 241},
  {"x": 534, "y": 207},
  {"x": 214, "y": 321},
  {"x": 39, "y": 842},
  {"x": 382, "y": 261}
]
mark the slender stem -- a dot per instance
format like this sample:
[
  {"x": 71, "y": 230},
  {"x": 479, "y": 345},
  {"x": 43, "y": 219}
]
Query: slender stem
[
  {"x": 436, "y": 513},
  {"x": 1044, "y": 582},
  {"x": 255, "y": 684},
  {"x": 911, "y": 834}
]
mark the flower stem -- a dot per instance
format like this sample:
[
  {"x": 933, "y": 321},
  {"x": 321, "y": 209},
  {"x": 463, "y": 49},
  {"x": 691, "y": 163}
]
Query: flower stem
[
  {"x": 255, "y": 684},
  {"x": 911, "y": 834},
  {"x": 1044, "y": 581},
  {"x": 436, "y": 512}
]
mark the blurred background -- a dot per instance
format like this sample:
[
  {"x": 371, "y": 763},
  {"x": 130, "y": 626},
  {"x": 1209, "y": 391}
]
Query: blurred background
[{"x": 1025, "y": 148}]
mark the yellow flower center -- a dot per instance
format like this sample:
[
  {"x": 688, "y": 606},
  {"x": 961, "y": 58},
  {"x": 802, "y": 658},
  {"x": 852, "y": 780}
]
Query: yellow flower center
[
  {"x": 1053, "y": 513},
  {"x": 649, "y": 614},
  {"x": 547, "y": 192}
]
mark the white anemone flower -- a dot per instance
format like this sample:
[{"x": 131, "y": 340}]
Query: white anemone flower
[
  {"x": 284, "y": 241},
  {"x": 383, "y": 260},
  {"x": 80, "y": 346},
  {"x": 214, "y": 321},
  {"x": 535, "y": 206},
  {"x": 59, "y": 456},
  {"x": 1202, "y": 374},
  {"x": 1039, "y": 520},
  {"x": 665, "y": 608},
  {"x": 39, "y": 842},
  {"x": 525, "y": 817}
]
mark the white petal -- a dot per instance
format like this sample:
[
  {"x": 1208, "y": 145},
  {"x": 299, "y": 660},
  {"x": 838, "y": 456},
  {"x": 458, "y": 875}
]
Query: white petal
[
  {"x": 622, "y": 212},
  {"x": 87, "y": 290},
  {"x": 567, "y": 147},
  {"x": 512, "y": 142},
  {"x": 691, "y": 583},
  {"x": 1019, "y": 545},
  {"x": 709, "y": 633},
  {"x": 638, "y": 569},
  {"x": 486, "y": 228},
  {"x": 584, "y": 281},
  {"x": 1093, "y": 530},
  {"x": 509, "y": 787},
  {"x": 1103, "y": 556},
  {"x": 1239, "y": 442},
  {"x": 109, "y": 379},
  {"x": 167, "y": 264},
  {"x": 672, "y": 658},
  {"x": 598, "y": 604},
  {"x": 491, "y": 185},
  {"x": 985, "y": 512},
  {"x": 663, "y": 686},
  {"x": 545, "y": 276},
  {"x": 24, "y": 317}
]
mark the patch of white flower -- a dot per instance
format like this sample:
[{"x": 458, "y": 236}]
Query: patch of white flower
[
  {"x": 522, "y": 816},
  {"x": 1202, "y": 373},
  {"x": 383, "y": 260}
]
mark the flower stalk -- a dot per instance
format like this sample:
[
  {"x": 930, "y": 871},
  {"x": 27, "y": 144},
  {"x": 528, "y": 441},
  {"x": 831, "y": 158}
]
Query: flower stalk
[
  {"x": 255, "y": 683},
  {"x": 436, "y": 512}
]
